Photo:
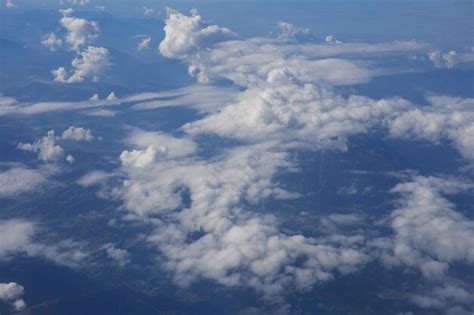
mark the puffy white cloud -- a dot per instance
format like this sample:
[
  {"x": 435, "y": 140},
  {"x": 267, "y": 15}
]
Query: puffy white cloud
[
  {"x": 168, "y": 147},
  {"x": 51, "y": 41},
  {"x": 429, "y": 233},
  {"x": 120, "y": 256},
  {"x": 288, "y": 112},
  {"x": 46, "y": 148},
  {"x": 144, "y": 43},
  {"x": 12, "y": 292},
  {"x": 77, "y": 134},
  {"x": 111, "y": 97},
  {"x": 80, "y": 32},
  {"x": 91, "y": 63},
  {"x": 71, "y": 159},
  {"x": 94, "y": 98},
  {"x": 449, "y": 59},
  {"x": 236, "y": 247},
  {"x": 448, "y": 117},
  {"x": 329, "y": 39},
  {"x": 443, "y": 60},
  {"x": 289, "y": 31},
  {"x": 187, "y": 34}
]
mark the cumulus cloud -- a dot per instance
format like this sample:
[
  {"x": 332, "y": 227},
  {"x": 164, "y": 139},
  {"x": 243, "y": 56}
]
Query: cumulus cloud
[
  {"x": 329, "y": 39},
  {"x": 80, "y": 32},
  {"x": 284, "y": 101},
  {"x": 450, "y": 59},
  {"x": 237, "y": 247},
  {"x": 288, "y": 30},
  {"x": 120, "y": 256},
  {"x": 429, "y": 233},
  {"x": 12, "y": 292},
  {"x": 447, "y": 118},
  {"x": 91, "y": 63},
  {"x": 111, "y": 97},
  {"x": 47, "y": 148},
  {"x": 250, "y": 61},
  {"x": 288, "y": 112},
  {"x": 187, "y": 34},
  {"x": 168, "y": 146},
  {"x": 51, "y": 41},
  {"x": 77, "y": 134}
]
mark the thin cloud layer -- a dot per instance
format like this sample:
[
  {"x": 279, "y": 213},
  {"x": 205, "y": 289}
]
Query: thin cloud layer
[
  {"x": 17, "y": 237},
  {"x": 19, "y": 179}
]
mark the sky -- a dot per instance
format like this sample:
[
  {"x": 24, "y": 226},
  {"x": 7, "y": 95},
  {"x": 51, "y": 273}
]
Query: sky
[{"x": 229, "y": 157}]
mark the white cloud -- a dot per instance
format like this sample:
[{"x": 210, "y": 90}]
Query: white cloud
[
  {"x": 8, "y": 105},
  {"x": 120, "y": 256},
  {"x": 449, "y": 59},
  {"x": 19, "y": 179},
  {"x": 148, "y": 11},
  {"x": 237, "y": 248},
  {"x": 144, "y": 43},
  {"x": 288, "y": 112},
  {"x": 81, "y": 32},
  {"x": 94, "y": 178},
  {"x": 289, "y": 31},
  {"x": 448, "y": 298},
  {"x": 429, "y": 233},
  {"x": 91, "y": 63},
  {"x": 17, "y": 238},
  {"x": 46, "y": 148},
  {"x": 15, "y": 235},
  {"x": 111, "y": 97},
  {"x": 168, "y": 147},
  {"x": 10, "y": 4},
  {"x": 71, "y": 159},
  {"x": 12, "y": 292},
  {"x": 187, "y": 34},
  {"x": 443, "y": 60},
  {"x": 77, "y": 134},
  {"x": 51, "y": 41},
  {"x": 329, "y": 39},
  {"x": 448, "y": 117}
]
